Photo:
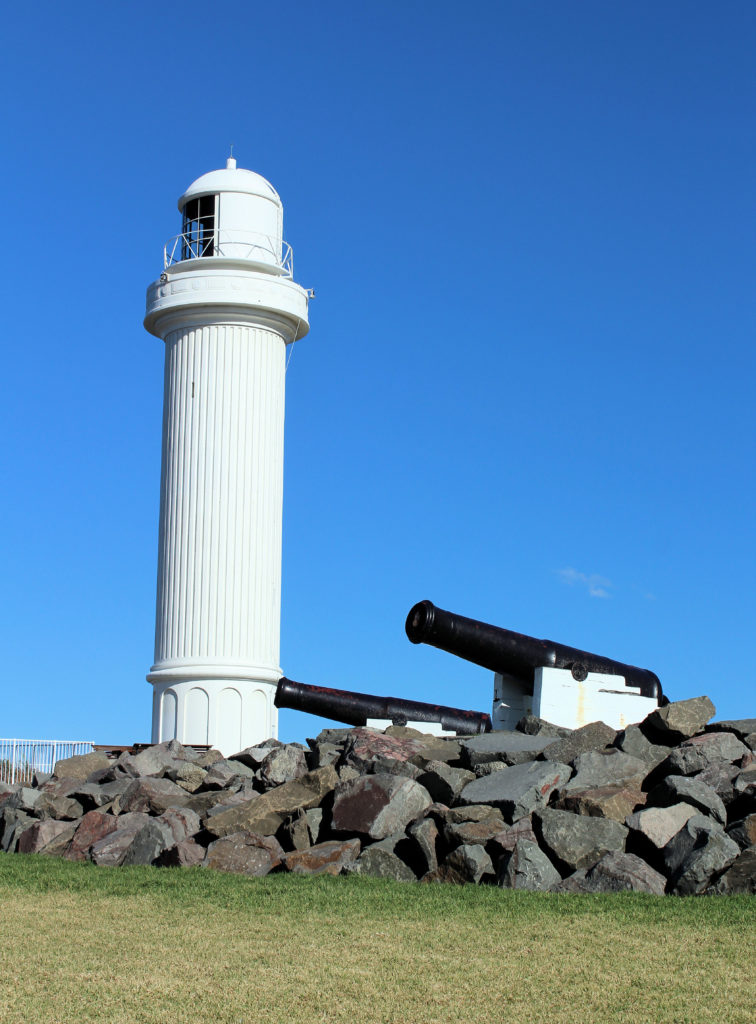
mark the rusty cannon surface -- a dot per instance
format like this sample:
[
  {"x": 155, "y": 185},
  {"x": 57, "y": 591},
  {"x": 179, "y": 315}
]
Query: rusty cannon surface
[
  {"x": 516, "y": 654},
  {"x": 356, "y": 708}
]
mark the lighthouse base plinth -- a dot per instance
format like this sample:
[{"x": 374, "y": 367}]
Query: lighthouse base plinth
[{"x": 228, "y": 714}]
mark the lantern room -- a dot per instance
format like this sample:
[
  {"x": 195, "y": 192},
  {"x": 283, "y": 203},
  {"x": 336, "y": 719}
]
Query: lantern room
[{"x": 232, "y": 214}]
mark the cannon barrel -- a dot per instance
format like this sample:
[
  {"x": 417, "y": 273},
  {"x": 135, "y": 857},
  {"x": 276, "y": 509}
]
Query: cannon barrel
[
  {"x": 515, "y": 654},
  {"x": 355, "y": 708}
]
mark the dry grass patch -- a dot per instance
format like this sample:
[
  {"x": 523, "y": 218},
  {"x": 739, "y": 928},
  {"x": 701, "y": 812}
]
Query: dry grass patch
[{"x": 135, "y": 945}]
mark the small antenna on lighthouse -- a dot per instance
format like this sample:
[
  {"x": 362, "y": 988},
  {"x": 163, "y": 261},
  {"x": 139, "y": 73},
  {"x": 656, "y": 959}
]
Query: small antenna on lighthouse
[{"x": 231, "y": 163}]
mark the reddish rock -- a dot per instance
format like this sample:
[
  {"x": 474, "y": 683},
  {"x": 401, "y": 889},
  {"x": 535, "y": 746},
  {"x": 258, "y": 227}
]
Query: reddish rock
[
  {"x": 365, "y": 745},
  {"x": 152, "y": 796},
  {"x": 93, "y": 827},
  {"x": 41, "y": 834},
  {"x": 244, "y": 853},
  {"x": 186, "y": 854},
  {"x": 377, "y": 805},
  {"x": 323, "y": 859}
]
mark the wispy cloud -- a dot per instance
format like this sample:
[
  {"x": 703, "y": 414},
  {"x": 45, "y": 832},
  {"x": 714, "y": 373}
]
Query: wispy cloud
[{"x": 597, "y": 586}]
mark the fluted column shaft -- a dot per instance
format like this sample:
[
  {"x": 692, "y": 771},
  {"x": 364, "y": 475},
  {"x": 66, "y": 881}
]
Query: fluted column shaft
[{"x": 221, "y": 499}]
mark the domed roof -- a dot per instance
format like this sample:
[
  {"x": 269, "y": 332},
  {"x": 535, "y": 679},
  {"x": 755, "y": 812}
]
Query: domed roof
[{"x": 230, "y": 179}]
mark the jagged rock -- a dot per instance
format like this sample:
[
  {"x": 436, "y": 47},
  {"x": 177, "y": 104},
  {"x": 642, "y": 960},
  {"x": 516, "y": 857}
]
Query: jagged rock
[
  {"x": 377, "y": 805},
  {"x": 596, "y": 769},
  {"x": 364, "y": 745},
  {"x": 154, "y": 761},
  {"x": 40, "y": 834},
  {"x": 721, "y": 777},
  {"x": 265, "y": 814},
  {"x": 677, "y": 788},
  {"x": 294, "y": 834},
  {"x": 188, "y": 776},
  {"x": 678, "y": 721},
  {"x": 91, "y": 796},
  {"x": 527, "y": 867},
  {"x": 471, "y": 832},
  {"x": 510, "y": 747},
  {"x": 471, "y": 862},
  {"x": 750, "y": 740},
  {"x": 744, "y": 832},
  {"x": 594, "y": 736},
  {"x": 283, "y": 764},
  {"x": 534, "y": 726},
  {"x": 443, "y": 782},
  {"x": 182, "y": 822},
  {"x": 208, "y": 757},
  {"x": 381, "y": 861},
  {"x": 346, "y": 773},
  {"x": 615, "y": 872},
  {"x": 614, "y": 802},
  {"x": 704, "y": 864},
  {"x": 473, "y": 812},
  {"x": 328, "y": 858},
  {"x": 80, "y": 766},
  {"x": 226, "y": 774},
  {"x": 426, "y": 835},
  {"x": 23, "y": 798},
  {"x": 244, "y": 853},
  {"x": 517, "y": 790},
  {"x": 652, "y": 828},
  {"x": 148, "y": 843},
  {"x": 186, "y": 854},
  {"x": 505, "y": 840},
  {"x": 437, "y": 748},
  {"x": 152, "y": 796},
  {"x": 322, "y": 754},
  {"x": 742, "y": 727},
  {"x": 204, "y": 803},
  {"x": 699, "y": 752},
  {"x": 573, "y": 841},
  {"x": 740, "y": 877},
  {"x": 390, "y": 766},
  {"x": 13, "y": 824},
  {"x": 93, "y": 827},
  {"x": 692, "y": 835},
  {"x": 314, "y": 819},
  {"x": 336, "y": 736},
  {"x": 633, "y": 741},
  {"x": 248, "y": 816},
  {"x": 253, "y": 757},
  {"x": 489, "y": 768},
  {"x": 111, "y": 849},
  {"x": 54, "y": 803}
]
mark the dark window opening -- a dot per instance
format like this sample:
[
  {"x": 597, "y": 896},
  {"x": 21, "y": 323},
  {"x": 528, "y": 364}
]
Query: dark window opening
[{"x": 199, "y": 228}]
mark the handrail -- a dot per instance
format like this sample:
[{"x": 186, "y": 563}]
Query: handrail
[{"x": 244, "y": 245}]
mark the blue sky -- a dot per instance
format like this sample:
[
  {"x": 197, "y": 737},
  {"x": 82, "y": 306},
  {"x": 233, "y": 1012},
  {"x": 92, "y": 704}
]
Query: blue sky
[{"x": 527, "y": 392}]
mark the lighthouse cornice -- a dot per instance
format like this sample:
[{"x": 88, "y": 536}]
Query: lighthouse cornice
[{"x": 189, "y": 296}]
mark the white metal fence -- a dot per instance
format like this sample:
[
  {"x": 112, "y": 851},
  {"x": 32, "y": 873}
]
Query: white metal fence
[{"x": 19, "y": 759}]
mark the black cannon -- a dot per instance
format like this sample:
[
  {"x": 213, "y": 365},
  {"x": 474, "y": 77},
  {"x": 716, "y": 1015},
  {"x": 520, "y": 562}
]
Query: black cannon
[
  {"x": 515, "y": 654},
  {"x": 355, "y": 708}
]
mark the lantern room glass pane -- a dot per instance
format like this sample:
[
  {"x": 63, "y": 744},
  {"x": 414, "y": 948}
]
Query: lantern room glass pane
[{"x": 198, "y": 228}]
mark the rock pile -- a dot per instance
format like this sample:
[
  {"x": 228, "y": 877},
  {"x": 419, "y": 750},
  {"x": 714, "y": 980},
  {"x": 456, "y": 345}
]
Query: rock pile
[{"x": 665, "y": 806}]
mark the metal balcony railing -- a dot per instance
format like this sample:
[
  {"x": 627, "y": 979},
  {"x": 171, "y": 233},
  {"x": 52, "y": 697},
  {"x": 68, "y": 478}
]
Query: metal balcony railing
[
  {"x": 20, "y": 759},
  {"x": 238, "y": 245}
]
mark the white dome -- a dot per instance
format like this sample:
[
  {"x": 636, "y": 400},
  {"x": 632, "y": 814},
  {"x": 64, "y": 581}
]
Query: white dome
[{"x": 230, "y": 179}]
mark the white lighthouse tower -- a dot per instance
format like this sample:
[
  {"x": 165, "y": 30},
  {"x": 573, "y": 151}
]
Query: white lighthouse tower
[{"x": 226, "y": 307}]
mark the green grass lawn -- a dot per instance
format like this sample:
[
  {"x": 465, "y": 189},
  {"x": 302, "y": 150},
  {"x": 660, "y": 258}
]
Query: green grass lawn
[{"x": 130, "y": 945}]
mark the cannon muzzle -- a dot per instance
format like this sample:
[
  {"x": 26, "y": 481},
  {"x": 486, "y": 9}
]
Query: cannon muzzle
[
  {"x": 355, "y": 708},
  {"x": 515, "y": 654}
]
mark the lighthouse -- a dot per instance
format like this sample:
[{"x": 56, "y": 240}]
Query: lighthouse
[{"x": 226, "y": 306}]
